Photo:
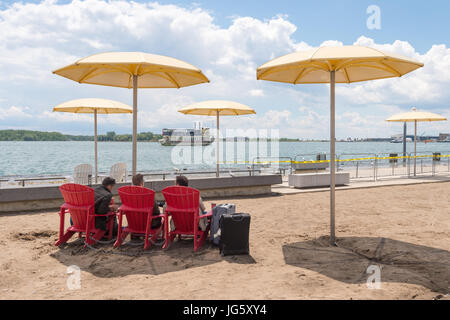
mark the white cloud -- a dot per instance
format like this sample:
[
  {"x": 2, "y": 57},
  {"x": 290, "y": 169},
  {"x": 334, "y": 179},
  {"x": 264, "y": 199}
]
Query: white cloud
[
  {"x": 14, "y": 112},
  {"x": 332, "y": 43},
  {"x": 49, "y": 35},
  {"x": 256, "y": 93},
  {"x": 65, "y": 116},
  {"x": 424, "y": 86}
]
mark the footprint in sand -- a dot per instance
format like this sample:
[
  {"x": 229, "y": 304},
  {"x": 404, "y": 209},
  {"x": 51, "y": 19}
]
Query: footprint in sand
[{"x": 30, "y": 236}]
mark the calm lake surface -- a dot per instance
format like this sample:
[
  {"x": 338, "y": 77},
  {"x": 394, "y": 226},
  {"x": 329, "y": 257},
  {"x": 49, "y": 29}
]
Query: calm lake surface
[{"x": 42, "y": 157}]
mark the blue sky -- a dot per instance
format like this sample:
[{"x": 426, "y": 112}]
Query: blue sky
[
  {"x": 418, "y": 22},
  {"x": 227, "y": 40}
]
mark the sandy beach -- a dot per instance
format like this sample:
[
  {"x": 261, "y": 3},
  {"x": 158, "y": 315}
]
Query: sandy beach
[{"x": 402, "y": 229}]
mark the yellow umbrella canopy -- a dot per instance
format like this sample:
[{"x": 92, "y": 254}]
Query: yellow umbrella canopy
[
  {"x": 133, "y": 70},
  {"x": 350, "y": 63},
  {"x": 217, "y": 108},
  {"x": 117, "y": 69},
  {"x": 415, "y": 116},
  {"x": 92, "y": 105},
  {"x": 95, "y": 106},
  {"x": 333, "y": 65},
  {"x": 214, "y": 107}
]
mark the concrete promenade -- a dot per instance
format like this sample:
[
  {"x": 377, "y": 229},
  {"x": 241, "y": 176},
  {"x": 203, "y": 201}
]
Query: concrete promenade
[{"x": 284, "y": 188}]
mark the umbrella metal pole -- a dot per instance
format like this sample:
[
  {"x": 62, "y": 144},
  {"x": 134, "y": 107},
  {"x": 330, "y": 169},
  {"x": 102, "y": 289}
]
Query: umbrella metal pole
[
  {"x": 135, "y": 86},
  {"x": 415, "y": 146},
  {"x": 217, "y": 146},
  {"x": 404, "y": 143},
  {"x": 95, "y": 145},
  {"x": 332, "y": 159}
]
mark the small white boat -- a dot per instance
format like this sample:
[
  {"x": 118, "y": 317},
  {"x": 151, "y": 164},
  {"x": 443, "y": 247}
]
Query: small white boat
[{"x": 186, "y": 137}]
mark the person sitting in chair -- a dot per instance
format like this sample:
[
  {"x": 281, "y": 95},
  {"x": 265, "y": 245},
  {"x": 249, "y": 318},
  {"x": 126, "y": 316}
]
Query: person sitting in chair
[
  {"x": 184, "y": 182},
  {"x": 103, "y": 197},
  {"x": 138, "y": 180}
]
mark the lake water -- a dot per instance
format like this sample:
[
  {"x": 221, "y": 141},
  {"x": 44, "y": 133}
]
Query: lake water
[{"x": 36, "y": 158}]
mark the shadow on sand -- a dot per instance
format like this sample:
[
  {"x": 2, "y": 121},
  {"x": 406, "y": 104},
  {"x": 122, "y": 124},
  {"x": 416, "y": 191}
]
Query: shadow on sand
[
  {"x": 102, "y": 260},
  {"x": 400, "y": 262}
]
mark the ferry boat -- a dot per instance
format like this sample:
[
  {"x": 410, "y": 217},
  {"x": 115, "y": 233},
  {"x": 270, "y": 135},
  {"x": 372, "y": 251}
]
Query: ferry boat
[
  {"x": 198, "y": 136},
  {"x": 399, "y": 139}
]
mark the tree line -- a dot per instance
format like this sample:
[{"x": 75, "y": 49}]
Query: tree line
[{"x": 29, "y": 135}]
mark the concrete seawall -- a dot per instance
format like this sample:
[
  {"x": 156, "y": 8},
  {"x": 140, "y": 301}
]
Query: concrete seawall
[{"x": 49, "y": 197}]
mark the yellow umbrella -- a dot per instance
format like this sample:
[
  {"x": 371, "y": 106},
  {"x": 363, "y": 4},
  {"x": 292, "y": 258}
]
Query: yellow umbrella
[
  {"x": 415, "y": 116},
  {"x": 95, "y": 106},
  {"x": 217, "y": 108},
  {"x": 133, "y": 70},
  {"x": 333, "y": 65}
]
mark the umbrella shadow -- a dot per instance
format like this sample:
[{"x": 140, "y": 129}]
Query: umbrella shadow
[
  {"x": 352, "y": 259},
  {"x": 102, "y": 260}
]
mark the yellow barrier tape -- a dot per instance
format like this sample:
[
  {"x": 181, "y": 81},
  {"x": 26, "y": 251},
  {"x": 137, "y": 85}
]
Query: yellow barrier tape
[{"x": 337, "y": 160}]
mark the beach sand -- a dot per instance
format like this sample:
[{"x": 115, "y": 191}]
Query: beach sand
[{"x": 405, "y": 230}]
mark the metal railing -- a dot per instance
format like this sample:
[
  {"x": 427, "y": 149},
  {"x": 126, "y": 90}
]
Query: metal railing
[
  {"x": 272, "y": 164},
  {"x": 360, "y": 166},
  {"x": 382, "y": 165},
  {"x": 311, "y": 162},
  {"x": 250, "y": 171},
  {"x": 440, "y": 163},
  {"x": 58, "y": 180},
  {"x": 22, "y": 181}
]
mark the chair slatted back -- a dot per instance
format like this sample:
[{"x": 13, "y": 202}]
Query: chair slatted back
[
  {"x": 81, "y": 174},
  {"x": 119, "y": 172},
  {"x": 183, "y": 205},
  {"x": 77, "y": 195},
  {"x": 141, "y": 199}
]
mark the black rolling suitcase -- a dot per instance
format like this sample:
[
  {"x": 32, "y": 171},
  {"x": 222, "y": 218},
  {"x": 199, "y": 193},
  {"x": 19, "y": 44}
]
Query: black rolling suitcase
[{"x": 234, "y": 238}]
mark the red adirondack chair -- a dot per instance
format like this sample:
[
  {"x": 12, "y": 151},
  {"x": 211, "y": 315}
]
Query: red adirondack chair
[
  {"x": 80, "y": 203},
  {"x": 182, "y": 204},
  {"x": 137, "y": 205}
]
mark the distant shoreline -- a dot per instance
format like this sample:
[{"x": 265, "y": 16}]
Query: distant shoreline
[{"x": 30, "y": 135}]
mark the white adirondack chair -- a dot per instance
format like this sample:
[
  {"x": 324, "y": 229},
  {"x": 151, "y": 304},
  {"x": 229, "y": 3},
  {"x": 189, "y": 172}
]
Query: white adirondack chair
[
  {"x": 119, "y": 172},
  {"x": 81, "y": 174}
]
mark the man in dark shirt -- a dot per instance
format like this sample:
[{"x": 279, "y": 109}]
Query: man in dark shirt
[{"x": 103, "y": 197}]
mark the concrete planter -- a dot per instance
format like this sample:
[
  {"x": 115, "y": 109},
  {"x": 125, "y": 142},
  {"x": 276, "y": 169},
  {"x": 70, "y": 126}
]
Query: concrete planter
[{"x": 311, "y": 180}]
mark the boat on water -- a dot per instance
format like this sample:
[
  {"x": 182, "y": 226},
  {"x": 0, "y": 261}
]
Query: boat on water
[
  {"x": 198, "y": 136},
  {"x": 400, "y": 140}
]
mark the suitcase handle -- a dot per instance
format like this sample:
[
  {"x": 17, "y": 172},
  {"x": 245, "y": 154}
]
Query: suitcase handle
[{"x": 237, "y": 217}]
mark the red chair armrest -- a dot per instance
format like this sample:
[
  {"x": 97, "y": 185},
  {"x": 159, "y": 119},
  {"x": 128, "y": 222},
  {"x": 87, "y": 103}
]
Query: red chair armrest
[
  {"x": 69, "y": 206},
  {"x": 126, "y": 208},
  {"x": 206, "y": 215},
  {"x": 111, "y": 213}
]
